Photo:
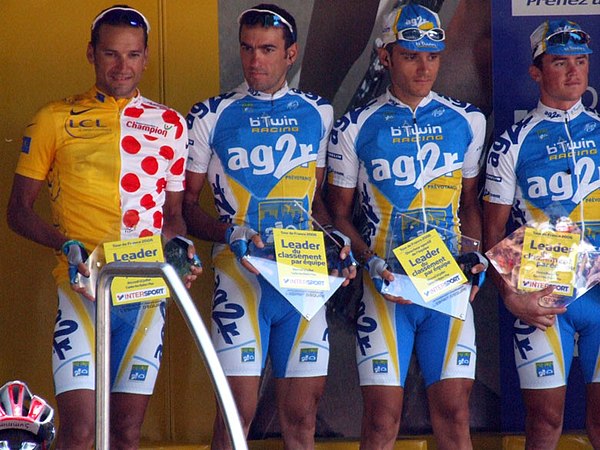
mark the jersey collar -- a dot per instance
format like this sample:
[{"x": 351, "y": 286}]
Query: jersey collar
[
  {"x": 559, "y": 115},
  {"x": 391, "y": 99},
  {"x": 103, "y": 98},
  {"x": 263, "y": 95}
]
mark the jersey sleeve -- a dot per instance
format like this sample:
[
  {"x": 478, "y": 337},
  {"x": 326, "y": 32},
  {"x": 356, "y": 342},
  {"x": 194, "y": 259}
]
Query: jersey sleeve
[
  {"x": 474, "y": 154},
  {"x": 326, "y": 112},
  {"x": 176, "y": 171},
  {"x": 500, "y": 177},
  {"x": 39, "y": 146},
  {"x": 200, "y": 123},
  {"x": 342, "y": 159}
]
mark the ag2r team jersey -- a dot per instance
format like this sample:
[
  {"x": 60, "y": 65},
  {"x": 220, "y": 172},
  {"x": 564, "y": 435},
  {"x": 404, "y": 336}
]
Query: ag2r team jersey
[
  {"x": 108, "y": 164},
  {"x": 549, "y": 159},
  {"x": 548, "y": 162},
  {"x": 402, "y": 161},
  {"x": 394, "y": 157},
  {"x": 260, "y": 153}
]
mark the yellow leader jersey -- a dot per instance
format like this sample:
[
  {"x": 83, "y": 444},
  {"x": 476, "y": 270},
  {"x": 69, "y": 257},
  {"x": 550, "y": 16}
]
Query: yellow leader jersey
[{"x": 108, "y": 164}]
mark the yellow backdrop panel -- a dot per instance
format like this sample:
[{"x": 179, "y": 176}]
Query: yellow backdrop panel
[{"x": 42, "y": 58}]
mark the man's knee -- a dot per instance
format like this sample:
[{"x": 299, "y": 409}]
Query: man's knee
[
  {"x": 77, "y": 434},
  {"x": 382, "y": 422},
  {"x": 125, "y": 436},
  {"x": 548, "y": 419},
  {"x": 302, "y": 415}
]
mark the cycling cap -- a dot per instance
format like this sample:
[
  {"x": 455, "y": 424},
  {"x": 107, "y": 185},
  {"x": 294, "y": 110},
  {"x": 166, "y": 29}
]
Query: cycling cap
[
  {"x": 26, "y": 421},
  {"x": 415, "y": 28},
  {"x": 559, "y": 37}
]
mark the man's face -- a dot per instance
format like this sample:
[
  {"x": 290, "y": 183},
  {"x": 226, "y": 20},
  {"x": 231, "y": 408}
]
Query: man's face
[
  {"x": 412, "y": 74},
  {"x": 562, "y": 79},
  {"x": 265, "y": 60},
  {"x": 119, "y": 59}
]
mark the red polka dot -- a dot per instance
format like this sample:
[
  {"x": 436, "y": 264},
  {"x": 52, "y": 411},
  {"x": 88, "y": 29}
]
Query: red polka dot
[
  {"x": 177, "y": 168},
  {"x": 131, "y": 218},
  {"x": 167, "y": 152},
  {"x": 150, "y": 165},
  {"x": 161, "y": 184},
  {"x": 134, "y": 112},
  {"x": 158, "y": 219},
  {"x": 146, "y": 233},
  {"x": 172, "y": 117},
  {"x": 131, "y": 145},
  {"x": 147, "y": 202},
  {"x": 130, "y": 182}
]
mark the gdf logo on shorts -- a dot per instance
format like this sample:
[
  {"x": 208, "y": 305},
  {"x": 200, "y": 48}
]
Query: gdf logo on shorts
[
  {"x": 544, "y": 369},
  {"x": 463, "y": 359},
  {"x": 380, "y": 366},
  {"x": 81, "y": 368},
  {"x": 138, "y": 372},
  {"x": 248, "y": 354},
  {"x": 309, "y": 354}
]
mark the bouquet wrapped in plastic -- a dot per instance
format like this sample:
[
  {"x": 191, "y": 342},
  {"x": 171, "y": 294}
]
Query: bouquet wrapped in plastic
[{"x": 553, "y": 252}]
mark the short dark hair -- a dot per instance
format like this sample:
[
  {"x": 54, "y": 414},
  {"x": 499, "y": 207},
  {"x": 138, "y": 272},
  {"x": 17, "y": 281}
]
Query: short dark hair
[
  {"x": 539, "y": 61},
  {"x": 266, "y": 17},
  {"x": 119, "y": 15}
]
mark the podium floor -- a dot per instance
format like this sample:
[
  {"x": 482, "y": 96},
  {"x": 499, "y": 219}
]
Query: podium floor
[{"x": 483, "y": 441}]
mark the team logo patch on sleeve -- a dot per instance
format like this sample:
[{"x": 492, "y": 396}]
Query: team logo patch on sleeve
[
  {"x": 544, "y": 369},
  {"x": 25, "y": 144},
  {"x": 81, "y": 368},
  {"x": 309, "y": 354},
  {"x": 248, "y": 354},
  {"x": 138, "y": 372},
  {"x": 380, "y": 366},
  {"x": 463, "y": 359}
]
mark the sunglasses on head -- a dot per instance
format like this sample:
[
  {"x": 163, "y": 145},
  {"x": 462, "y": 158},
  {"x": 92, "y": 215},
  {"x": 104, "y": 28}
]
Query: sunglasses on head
[
  {"x": 416, "y": 34},
  {"x": 122, "y": 15},
  {"x": 577, "y": 37},
  {"x": 266, "y": 17}
]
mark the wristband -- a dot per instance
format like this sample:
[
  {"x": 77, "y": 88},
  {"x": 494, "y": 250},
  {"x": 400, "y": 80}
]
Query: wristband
[{"x": 365, "y": 256}]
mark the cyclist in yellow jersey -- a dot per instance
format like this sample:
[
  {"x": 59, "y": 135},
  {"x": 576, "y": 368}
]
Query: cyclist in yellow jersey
[{"x": 114, "y": 162}]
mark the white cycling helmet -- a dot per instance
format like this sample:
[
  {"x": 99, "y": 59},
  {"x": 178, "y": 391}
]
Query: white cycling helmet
[{"x": 26, "y": 421}]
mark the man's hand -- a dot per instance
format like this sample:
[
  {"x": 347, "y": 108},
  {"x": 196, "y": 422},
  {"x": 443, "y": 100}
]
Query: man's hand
[
  {"x": 340, "y": 259},
  {"x": 380, "y": 273},
  {"x": 76, "y": 257},
  {"x": 527, "y": 308},
  {"x": 239, "y": 237},
  {"x": 474, "y": 265},
  {"x": 181, "y": 254}
]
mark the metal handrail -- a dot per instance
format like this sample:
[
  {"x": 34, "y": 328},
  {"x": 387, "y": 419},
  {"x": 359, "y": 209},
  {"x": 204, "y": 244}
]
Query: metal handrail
[{"x": 194, "y": 322}]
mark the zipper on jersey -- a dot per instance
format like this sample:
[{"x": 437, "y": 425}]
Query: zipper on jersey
[
  {"x": 420, "y": 159},
  {"x": 574, "y": 171}
]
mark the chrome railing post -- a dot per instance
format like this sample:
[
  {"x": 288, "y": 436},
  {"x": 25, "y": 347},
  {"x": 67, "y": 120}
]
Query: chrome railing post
[
  {"x": 194, "y": 322},
  {"x": 103, "y": 362}
]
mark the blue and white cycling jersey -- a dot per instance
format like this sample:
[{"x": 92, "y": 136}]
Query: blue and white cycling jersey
[
  {"x": 394, "y": 157},
  {"x": 260, "y": 153},
  {"x": 402, "y": 161},
  {"x": 549, "y": 158}
]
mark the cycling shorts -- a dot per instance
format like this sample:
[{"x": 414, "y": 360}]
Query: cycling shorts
[
  {"x": 387, "y": 333},
  {"x": 251, "y": 320},
  {"x": 543, "y": 358},
  {"x": 136, "y": 344}
]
